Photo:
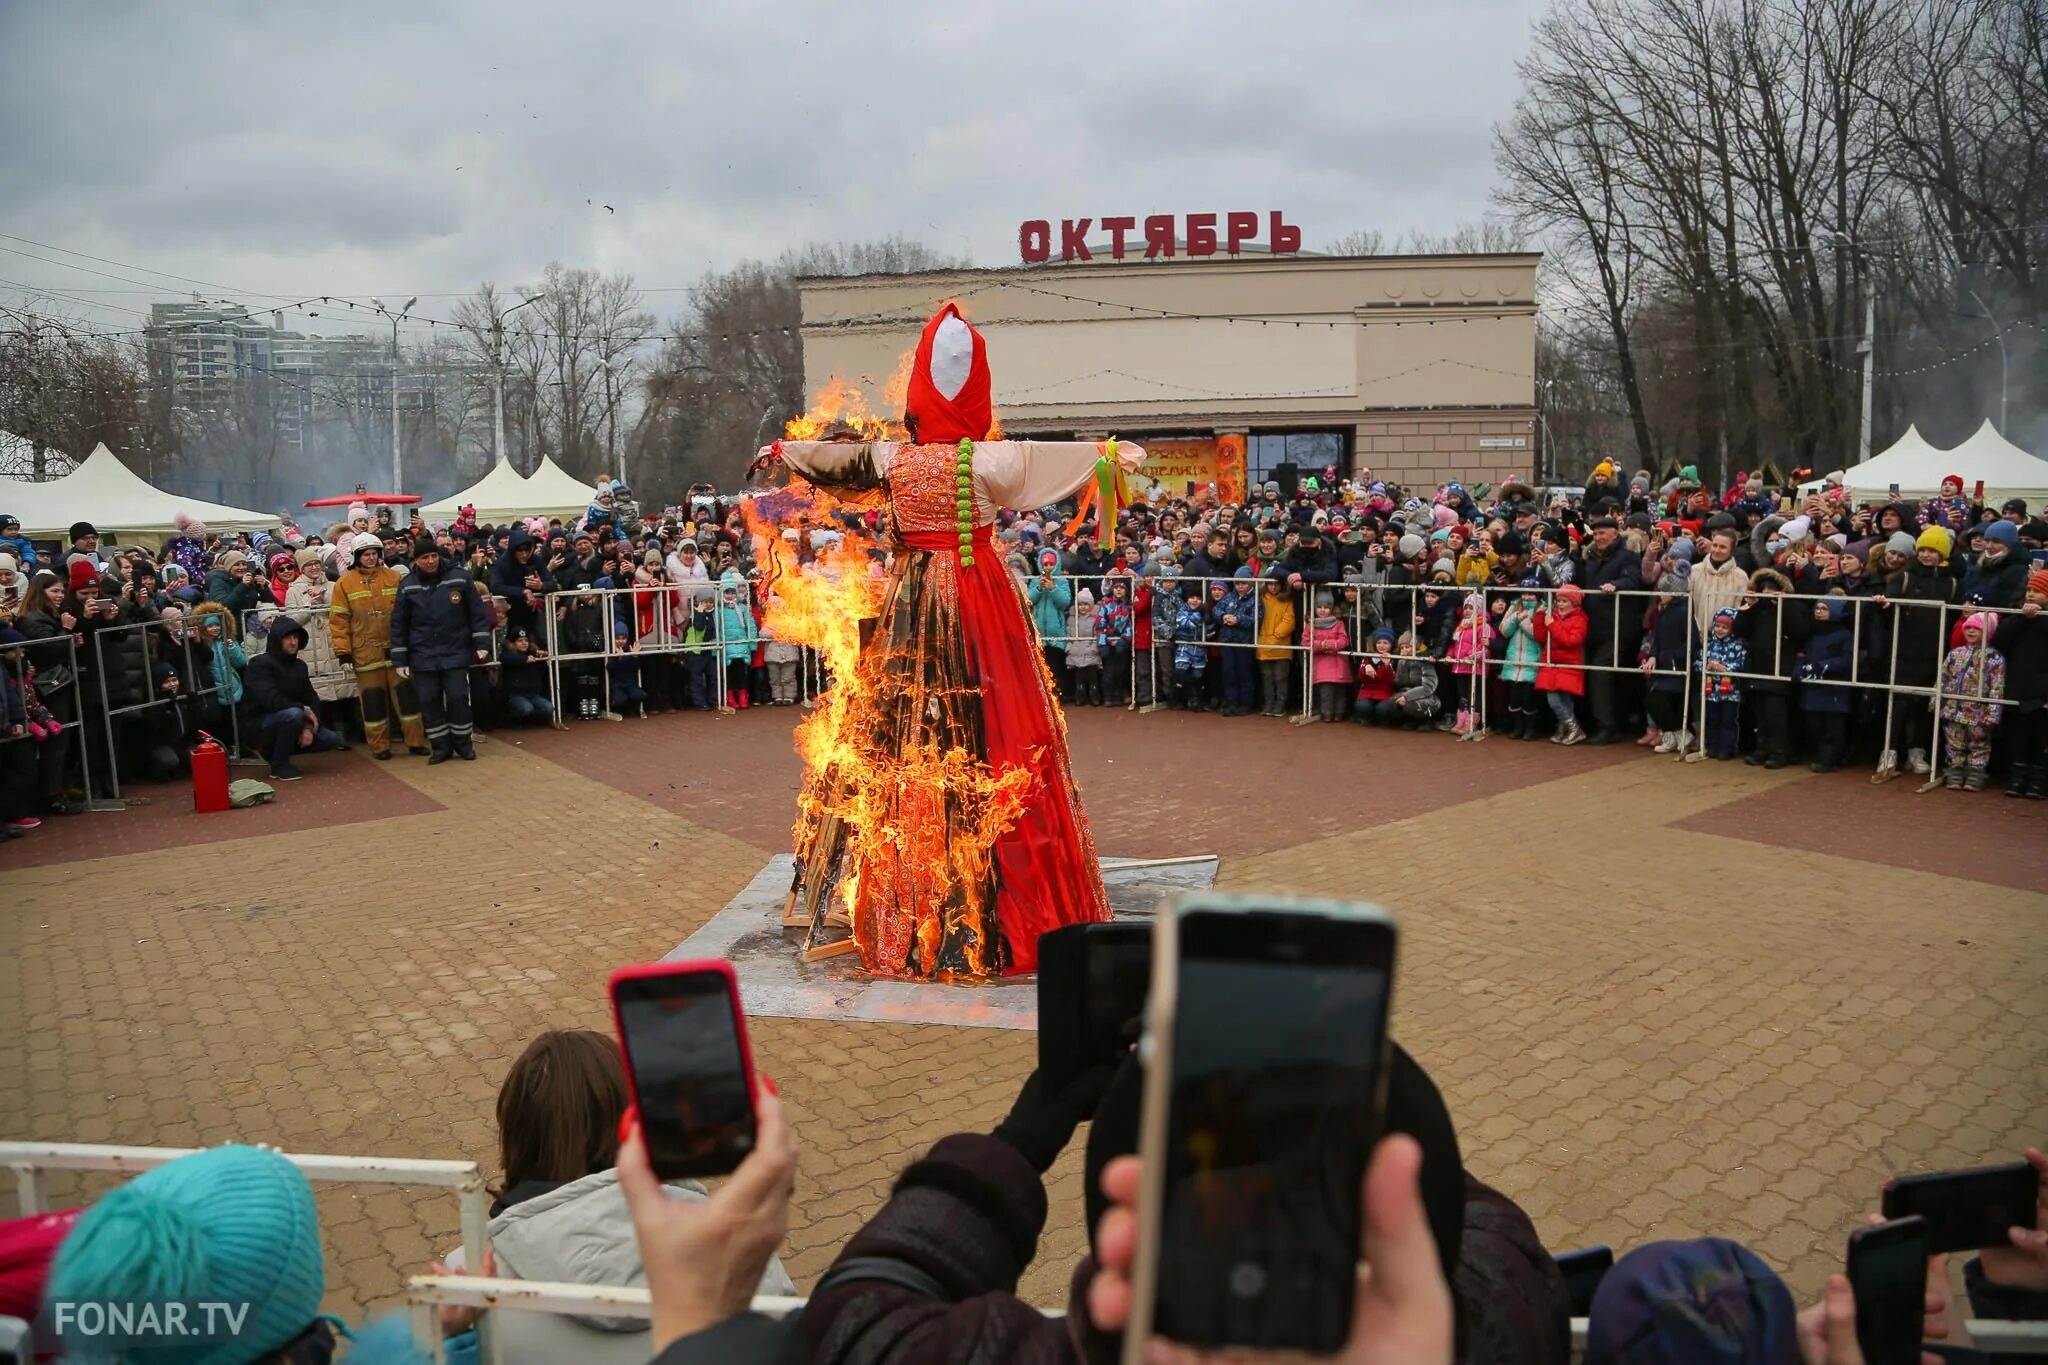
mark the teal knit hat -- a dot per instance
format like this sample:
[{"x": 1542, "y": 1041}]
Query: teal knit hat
[{"x": 233, "y": 1224}]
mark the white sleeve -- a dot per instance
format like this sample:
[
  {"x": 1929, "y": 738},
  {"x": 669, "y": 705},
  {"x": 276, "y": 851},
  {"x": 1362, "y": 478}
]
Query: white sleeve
[
  {"x": 840, "y": 464},
  {"x": 1038, "y": 473}
]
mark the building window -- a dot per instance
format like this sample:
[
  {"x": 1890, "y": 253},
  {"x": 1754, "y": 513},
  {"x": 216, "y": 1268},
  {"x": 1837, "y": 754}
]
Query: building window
[{"x": 1309, "y": 451}]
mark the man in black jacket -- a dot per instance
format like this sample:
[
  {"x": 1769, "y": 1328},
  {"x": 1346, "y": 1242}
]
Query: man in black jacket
[
  {"x": 1614, "y": 626},
  {"x": 279, "y": 693},
  {"x": 438, "y": 629}
]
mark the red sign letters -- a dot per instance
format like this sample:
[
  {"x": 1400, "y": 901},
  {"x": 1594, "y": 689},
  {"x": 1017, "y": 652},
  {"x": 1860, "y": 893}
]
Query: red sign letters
[{"x": 1034, "y": 238}]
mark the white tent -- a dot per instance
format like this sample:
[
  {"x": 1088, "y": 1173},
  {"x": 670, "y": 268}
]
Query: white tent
[
  {"x": 1918, "y": 468},
  {"x": 502, "y": 494},
  {"x": 116, "y": 500}
]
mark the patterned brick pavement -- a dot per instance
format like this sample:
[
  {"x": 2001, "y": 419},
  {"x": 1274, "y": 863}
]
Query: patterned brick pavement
[{"x": 1661, "y": 999}]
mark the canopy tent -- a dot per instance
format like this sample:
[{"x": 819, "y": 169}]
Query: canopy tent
[
  {"x": 116, "y": 500},
  {"x": 1918, "y": 468},
  {"x": 502, "y": 494}
]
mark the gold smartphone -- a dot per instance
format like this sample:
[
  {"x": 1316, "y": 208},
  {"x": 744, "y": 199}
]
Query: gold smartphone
[{"x": 1266, "y": 1060}]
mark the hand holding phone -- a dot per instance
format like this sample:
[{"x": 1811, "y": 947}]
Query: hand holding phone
[
  {"x": 1971, "y": 1209},
  {"x": 684, "y": 1040},
  {"x": 1888, "y": 1276}
]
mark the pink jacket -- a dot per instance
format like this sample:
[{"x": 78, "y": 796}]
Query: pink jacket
[
  {"x": 1468, "y": 645},
  {"x": 1326, "y": 645}
]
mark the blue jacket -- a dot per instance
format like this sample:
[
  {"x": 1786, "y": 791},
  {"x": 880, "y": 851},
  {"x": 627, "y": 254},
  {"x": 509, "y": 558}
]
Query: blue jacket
[
  {"x": 1245, "y": 607},
  {"x": 736, "y": 629},
  {"x": 1188, "y": 634},
  {"x": 23, "y": 550},
  {"x": 1049, "y": 605},
  {"x": 1829, "y": 653},
  {"x": 438, "y": 622}
]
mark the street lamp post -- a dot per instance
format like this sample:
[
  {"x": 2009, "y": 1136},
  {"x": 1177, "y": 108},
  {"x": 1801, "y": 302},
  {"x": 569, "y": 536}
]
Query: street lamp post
[
  {"x": 1998, "y": 336},
  {"x": 397, "y": 450},
  {"x": 498, "y": 372},
  {"x": 1867, "y": 348}
]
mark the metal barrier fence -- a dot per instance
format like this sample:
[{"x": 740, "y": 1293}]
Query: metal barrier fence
[
  {"x": 153, "y": 639},
  {"x": 15, "y": 656}
]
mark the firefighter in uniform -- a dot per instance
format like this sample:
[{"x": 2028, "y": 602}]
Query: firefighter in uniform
[
  {"x": 359, "y": 623},
  {"x": 438, "y": 630}
]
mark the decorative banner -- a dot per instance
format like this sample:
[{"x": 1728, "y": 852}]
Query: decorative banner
[{"x": 1174, "y": 464}]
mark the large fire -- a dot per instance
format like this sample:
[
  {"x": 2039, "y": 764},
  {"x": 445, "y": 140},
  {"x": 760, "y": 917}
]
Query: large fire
[{"x": 899, "y": 815}]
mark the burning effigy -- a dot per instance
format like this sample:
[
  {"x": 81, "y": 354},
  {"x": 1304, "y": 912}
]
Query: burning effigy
[{"x": 939, "y": 831}]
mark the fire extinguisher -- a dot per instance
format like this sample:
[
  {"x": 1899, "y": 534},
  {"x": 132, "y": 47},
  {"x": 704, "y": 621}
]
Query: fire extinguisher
[{"x": 209, "y": 775}]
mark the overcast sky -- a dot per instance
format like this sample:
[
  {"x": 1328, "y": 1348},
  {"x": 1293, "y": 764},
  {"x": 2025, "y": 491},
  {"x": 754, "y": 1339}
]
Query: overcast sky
[{"x": 291, "y": 149}]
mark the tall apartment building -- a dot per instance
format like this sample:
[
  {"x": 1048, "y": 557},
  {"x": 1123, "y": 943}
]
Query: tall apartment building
[{"x": 208, "y": 351}]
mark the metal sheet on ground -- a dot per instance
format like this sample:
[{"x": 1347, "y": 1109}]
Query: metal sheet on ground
[{"x": 776, "y": 982}]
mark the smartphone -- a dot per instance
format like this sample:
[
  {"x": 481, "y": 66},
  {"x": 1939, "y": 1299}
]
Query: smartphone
[
  {"x": 1888, "y": 1273},
  {"x": 1966, "y": 1210},
  {"x": 1266, "y": 1056},
  {"x": 685, "y": 1046},
  {"x": 1893, "y": 489},
  {"x": 1583, "y": 1271},
  {"x": 1092, "y": 980}
]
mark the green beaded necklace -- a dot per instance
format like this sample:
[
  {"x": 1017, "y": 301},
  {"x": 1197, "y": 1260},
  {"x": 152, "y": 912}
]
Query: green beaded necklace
[{"x": 963, "y": 483}]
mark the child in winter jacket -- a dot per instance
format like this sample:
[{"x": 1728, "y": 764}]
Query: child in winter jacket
[
  {"x": 1470, "y": 640},
  {"x": 781, "y": 658},
  {"x": 736, "y": 632},
  {"x": 1115, "y": 619},
  {"x": 1721, "y": 655},
  {"x": 1824, "y": 663},
  {"x": 1330, "y": 670},
  {"x": 1666, "y": 661},
  {"x": 1084, "y": 657},
  {"x": 1276, "y": 638},
  {"x": 1374, "y": 698},
  {"x": 1233, "y": 625},
  {"x": 1190, "y": 656},
  {"x": 1972, "y": 688},
  {"x": 523, "y": 678},
  {"x": 1520, "y": 659},
  {"x": 629, "y": 690},
  {"x": 1561, "y": 678},
  {"x": 1415, "y": 701}
]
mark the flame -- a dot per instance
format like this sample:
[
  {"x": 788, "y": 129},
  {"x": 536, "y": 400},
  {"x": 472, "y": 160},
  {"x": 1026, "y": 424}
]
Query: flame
[
  {"x": 919, "y": 813},
  {"x": 842, "y": 406}
]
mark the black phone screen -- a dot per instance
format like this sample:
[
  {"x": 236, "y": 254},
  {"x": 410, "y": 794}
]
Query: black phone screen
[
  {"x": 1279, "y": 1060},
  {"x": 1092, "y": 984},
  {"x": 1888, "y": 1273},
  {"x": 1965, "y": 1210},
  {"x": 689, "y": 1076}
]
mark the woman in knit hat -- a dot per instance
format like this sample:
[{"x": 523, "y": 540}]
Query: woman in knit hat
[
  {"x": 1910, "y": 645},
  {"x": 307, "y": 601},
  {"x": 234, "y": 1226}
]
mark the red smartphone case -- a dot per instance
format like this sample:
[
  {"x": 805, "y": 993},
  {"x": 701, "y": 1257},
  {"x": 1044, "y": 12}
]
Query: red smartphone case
[{"x": 643, "y": 971}]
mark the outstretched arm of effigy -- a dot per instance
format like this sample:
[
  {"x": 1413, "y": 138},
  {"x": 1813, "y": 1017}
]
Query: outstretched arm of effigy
[{"x": 1038, "y": 473}]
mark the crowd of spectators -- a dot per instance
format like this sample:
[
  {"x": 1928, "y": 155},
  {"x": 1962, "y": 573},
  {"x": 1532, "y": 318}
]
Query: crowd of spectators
[{"x": 1758, "y": 623}]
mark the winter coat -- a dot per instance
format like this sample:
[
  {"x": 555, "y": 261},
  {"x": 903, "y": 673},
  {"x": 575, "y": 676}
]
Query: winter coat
[
  {"x": 308, "y": 602},
  {"x": 276, "y": 680},
  {"x": 522, "y": 675},
  {"x": 1712, "y": 587},
  {"x": 237, "y": 595},
  {"x": 1082, "y": 651},
  {"x": 1190, "y": 630},
  {"x": 508, "y": 580},
  {"x": 1141, "y": 615},
  {"x": 1732, "y": 655},
  {"x": 2023, "y": 640},
  {"x": 122, "y": 655},
  {"x": 1113, "y": 625},
  {"x": 1610, "y": 614},
  {"x": 1327, "y": 641},
  {"x": 1243, "y": 608},
  {"x": 1376, "y": 677},
  {"x": 1997, "y": 583},
  {"x": 1668, "y": 645},
  {"x": 1524, "y": 648},
  {"x": 1049, "y": 606},
  {"x": 1826, "y": 661},
  {"x": 736, "y": 629},
  {"x": 224, "y": 662},
  {"x": 1469, "y": 641},
  {"x": 1276, "y": 626},
  {"x": 1564, "y": 646},
  {"x": 1315, "y": 566},
  {"x": 1969, "y": 674},
  {"x": 581, "y": 1233},
  {"x": 1415, "y": 684},
  {"x": 1918, "y": 623},
  {"x": 1772, "y": 629},
  {"x": 439, "y": 621}
]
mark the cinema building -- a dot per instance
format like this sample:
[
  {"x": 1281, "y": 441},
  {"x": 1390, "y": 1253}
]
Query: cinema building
[{"x": 1417, "y": 367}]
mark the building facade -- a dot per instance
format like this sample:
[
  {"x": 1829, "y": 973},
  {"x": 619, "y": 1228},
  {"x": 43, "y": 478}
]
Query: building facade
[{"x": 1419, "y": 368}]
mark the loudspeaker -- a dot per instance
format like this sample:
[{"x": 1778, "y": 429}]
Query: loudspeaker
[{"x": 1288, "y": 476}]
